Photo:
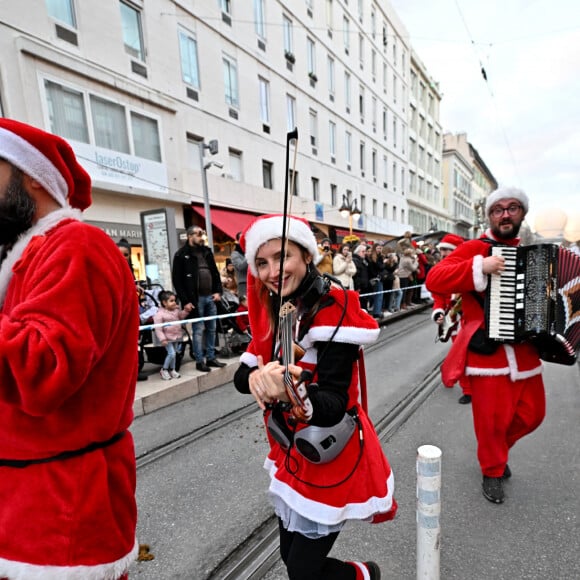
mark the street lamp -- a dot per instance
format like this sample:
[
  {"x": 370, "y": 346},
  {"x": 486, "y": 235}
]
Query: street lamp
[
  {"x": 213, "y": 149},
  {"x": 349, "y": 210}
]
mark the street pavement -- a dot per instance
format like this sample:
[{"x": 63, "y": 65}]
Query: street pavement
[{"x": 534, "y": 535}]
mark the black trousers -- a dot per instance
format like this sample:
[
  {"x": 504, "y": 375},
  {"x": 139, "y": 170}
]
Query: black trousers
[{"x": 308, "y": 559}]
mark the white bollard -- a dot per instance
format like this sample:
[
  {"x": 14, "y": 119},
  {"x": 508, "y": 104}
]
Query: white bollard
[{"x": 428, "y": 511}]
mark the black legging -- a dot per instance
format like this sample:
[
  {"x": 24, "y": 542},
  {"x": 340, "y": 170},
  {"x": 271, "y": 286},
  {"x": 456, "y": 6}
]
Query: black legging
[{"x": 307, "y": 559}]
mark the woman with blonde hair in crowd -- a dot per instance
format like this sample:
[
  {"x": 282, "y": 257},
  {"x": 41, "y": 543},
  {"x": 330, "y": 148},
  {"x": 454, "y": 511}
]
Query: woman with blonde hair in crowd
[{"x": 343, "y": 266}]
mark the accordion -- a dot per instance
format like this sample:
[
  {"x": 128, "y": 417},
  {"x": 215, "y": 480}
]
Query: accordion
[{"x": 536, "y": 299}]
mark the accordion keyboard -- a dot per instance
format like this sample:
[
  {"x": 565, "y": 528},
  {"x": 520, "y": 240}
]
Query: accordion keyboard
[{"x": 506, "y": 296}]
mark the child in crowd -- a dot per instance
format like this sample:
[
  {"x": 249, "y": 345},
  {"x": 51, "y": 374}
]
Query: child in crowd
[
  {"x": 170, "y": 336},
  {"x": 243, "y": 321}
]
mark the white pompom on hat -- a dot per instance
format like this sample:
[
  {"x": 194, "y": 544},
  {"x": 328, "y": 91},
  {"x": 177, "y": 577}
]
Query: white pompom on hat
[
  {"x": 269, "y": 227},
  {"x": 48, "y": 159},
  {"x": 507, "y": 193}
]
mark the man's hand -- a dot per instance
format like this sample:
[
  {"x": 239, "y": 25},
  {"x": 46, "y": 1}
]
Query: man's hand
[
  {"x": 439, "y": 318},
  {"x": 216, "y": 297},
  {"x": 493, "y": 265}
]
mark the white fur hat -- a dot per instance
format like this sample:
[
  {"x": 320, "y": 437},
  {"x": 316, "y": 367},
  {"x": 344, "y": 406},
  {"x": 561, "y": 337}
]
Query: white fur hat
[
  {"x": 269, "y": 227},
  {"x": 507, "y": 193}
]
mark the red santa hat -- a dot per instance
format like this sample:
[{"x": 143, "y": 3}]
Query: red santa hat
[
  {"x": 48, "y": 159},
  {"x": 269, "y": 227},
  {"x": 506, "y": 193},
  {"x": 450, "y": 242}
]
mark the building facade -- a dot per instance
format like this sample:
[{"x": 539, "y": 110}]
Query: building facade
[{"x": 140, "y": 89}]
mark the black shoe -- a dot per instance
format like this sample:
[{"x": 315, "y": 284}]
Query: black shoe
[
  {"x": 202, "y": 367},
  {"x": 464, "y": 400},
  {"x": 374, "y": 570},
  {"x": 142, "y": 377},
  {"x": 507, "y": 472},
  {"x": 215, "y": 363},
  {"x": 493, "y": 489}
]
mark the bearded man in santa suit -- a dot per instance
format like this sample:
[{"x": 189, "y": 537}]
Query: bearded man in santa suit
[
  {"x": 507, "y": 391},
  {"x": 68, "y": 366}
]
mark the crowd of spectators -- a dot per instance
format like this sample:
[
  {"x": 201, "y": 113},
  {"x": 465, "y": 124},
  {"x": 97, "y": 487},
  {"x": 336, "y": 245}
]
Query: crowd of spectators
[{"x": 388, "y": 276}]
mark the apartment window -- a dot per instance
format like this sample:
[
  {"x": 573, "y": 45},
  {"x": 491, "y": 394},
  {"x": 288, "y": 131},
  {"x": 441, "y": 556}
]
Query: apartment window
[
  {"x": 373, "y": 23},
  {"x": 360, "y": 10},
  {"x": 67, "y": 113},
  {"x": 333, "y": 195},
  {"x": 395, "y": 133},
  {"x": 374, "y": 64},
  {"x": 231, "y": 81},
  {"x": 385, "y": 211},
  {"x": 259, "y": 21},
  {"x": 394, "y": 175},
  {"x": 77, "y": 115},
  {"x": 394, "y": 88},
  {"x": 385, "y": 171},
  {"x": 374, "y": 207},
  {"x": 194, "y": 144},
  {"x": 374, "y": 114},
  {"x": 361, "y": 50},
  {"x": 235, "y": 158},
  {"x": 374, "y": 164},
  {"x": 384, "y": 124},
  {"x": 315, "y": 189},
  {"x": 347, "y": 91},
  {"x": 313, "y": 128},
  {"x": 394, "y": 213},
  {"x": 385, "y": 77},
  {"x": 132, "y": 31},
  {"x": 403, "y": 179},
  {"x": 290, "y": 113},
  {"x": 62, "y": 10},
  {"x": 362, "y": 152},
  {"x": 109, "y": 125},
  {"x": 348, "y": 148},
  {"x": 331, "y": 82},
  {"x": 287, "y": 28},
  {"x": 311, "y": 56},
  {"x": 293, "y": 181},
  {"x": 226, "y": 6},
  {"x": 329, "y": 17},
  {"x": 189, "y": 64},
  {"x": 264, "y": 101},
  {"x": 361, "y": 103},
  {"x": 332, "y": 139},
  {"x": 267, "y": 167},
  {"x": 145, "y": 137},
  {"x": 346, "y": 34}
]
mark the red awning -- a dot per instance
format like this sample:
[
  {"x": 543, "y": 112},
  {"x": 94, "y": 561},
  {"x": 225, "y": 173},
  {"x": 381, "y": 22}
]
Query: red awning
[
  {"x": 343, "y": 233},
  {"x": 229, "y": 222}
]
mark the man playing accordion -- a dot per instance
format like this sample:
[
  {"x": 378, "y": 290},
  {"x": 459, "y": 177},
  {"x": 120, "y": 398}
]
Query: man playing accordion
[{"x": 508, "y": 398}]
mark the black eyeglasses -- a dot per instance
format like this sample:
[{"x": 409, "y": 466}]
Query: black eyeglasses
[{"x": 512, "y": 209}]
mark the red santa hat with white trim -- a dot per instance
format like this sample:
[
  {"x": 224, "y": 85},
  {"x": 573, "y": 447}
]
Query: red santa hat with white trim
[
  {"x": 502, "y": 193},
  {"x": 48, "y": 159},
  {"x": 269, "y": 227},
  {"x": 450, "y": 242}
]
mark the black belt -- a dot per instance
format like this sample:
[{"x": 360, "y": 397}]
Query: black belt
[{"x": 64, "y": 455}]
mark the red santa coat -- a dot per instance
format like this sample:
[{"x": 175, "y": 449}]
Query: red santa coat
[
  {"x": 68, "y": 366},
  {"x": 363, "y": 494},
  {"x": 461, "y": 272}
]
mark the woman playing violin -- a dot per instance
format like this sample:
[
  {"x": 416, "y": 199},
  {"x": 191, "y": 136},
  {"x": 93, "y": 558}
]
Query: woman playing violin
[{"x": 313, "y": 495}]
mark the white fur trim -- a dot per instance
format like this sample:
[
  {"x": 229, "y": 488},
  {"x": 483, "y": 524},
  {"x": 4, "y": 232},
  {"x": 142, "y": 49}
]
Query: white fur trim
[
  {"x": 507, "y": 193},
  {"x": 345, "y": 334},
  {"x": 324, "y": 513},
  {"x": 249, "y": 359},
  {"x": 479, "y": 278},
  {"x": 110, "y": 571},
  {"x": 39, "y": 228},
  {"x": 446, "y": 246},
  {"x": 436, "y": 313},
  {"x": 270, "y": 228},
  {"x": 363, "y": 569},
  {"x": 512, "y": 369},
  {"x": 31, "y": 161}
]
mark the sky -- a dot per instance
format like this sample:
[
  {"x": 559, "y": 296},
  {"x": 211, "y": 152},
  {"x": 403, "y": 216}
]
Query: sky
[{"x": 525, "y": 119}]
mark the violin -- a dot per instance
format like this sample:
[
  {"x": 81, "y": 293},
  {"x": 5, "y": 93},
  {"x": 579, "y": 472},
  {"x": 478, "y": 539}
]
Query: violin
[{"x": 297, "y": 392}]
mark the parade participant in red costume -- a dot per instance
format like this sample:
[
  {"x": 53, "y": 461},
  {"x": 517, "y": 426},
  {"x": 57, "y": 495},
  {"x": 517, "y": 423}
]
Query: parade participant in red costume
[
  {"x": 68, "y": 330},
  {"x": 508, "y": 399},
  {"x": 312, "y": 499},
  {"x": 447, "y": 310}
]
